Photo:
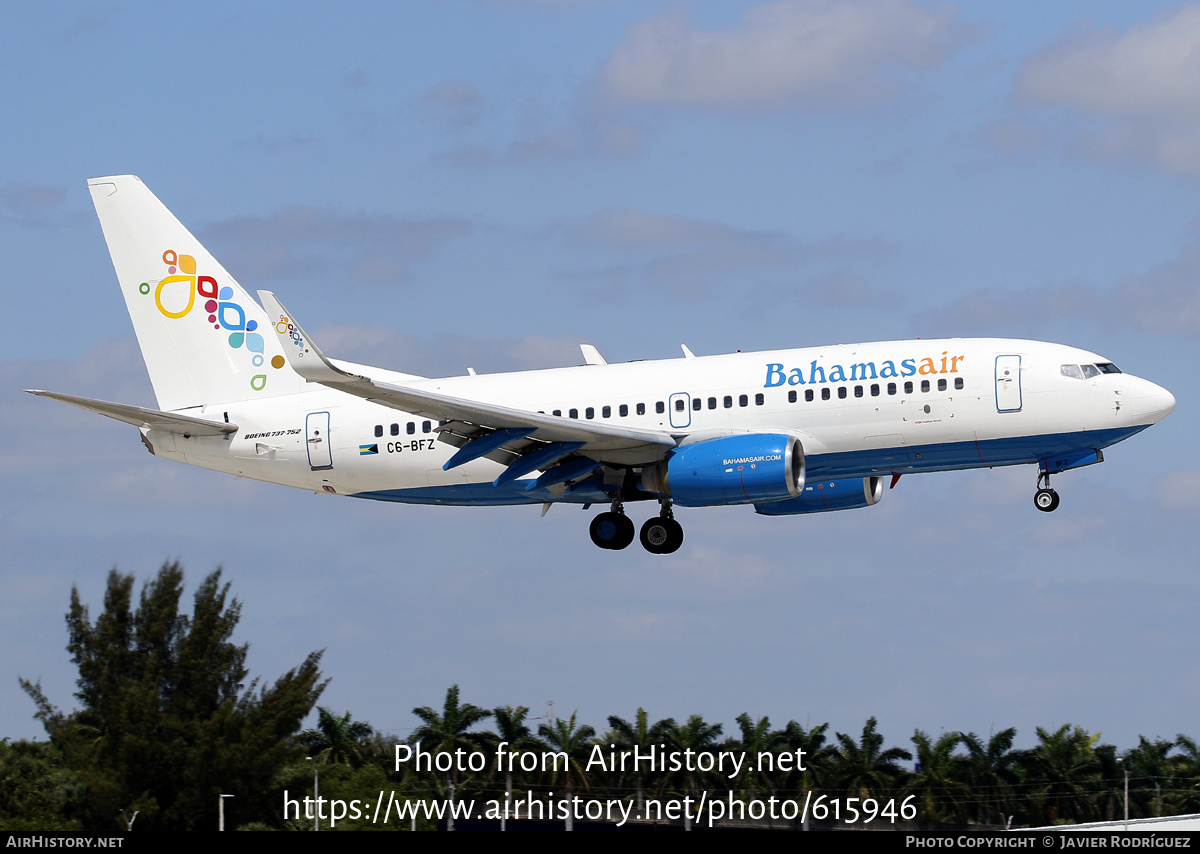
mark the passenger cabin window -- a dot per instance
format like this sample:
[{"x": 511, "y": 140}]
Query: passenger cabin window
[
  {"x": 574, "y": 413},
  {"x": 891, "y": 388},
  {"x": 558, "y": 412},
  {"x": 942, "y": 384},
  {"x": 680, "y": 405},
  {"x": 908, "y": 387},
  {"x": 660, "y": 407},
  {"x": 697, "y": 403},
  {"x": 792, "y": 396},
  {"x": 712, "y": 403},
  {"x": 759, "y": 400},
  {"x": 590, "y": 412},
  {"x": 425, "y": 426},
  {"x": 841, "y": 392},
  {"x": 641, "y": 409},
  {"x": 924, "y": 385},
  {"x": 411, "y": 427},
  {"x": 743, "y": 400},
  {"x": 808, "y": 395},
  {"x": 958, "y": 382},
  {"x": 624, "y": 410},
  {"x": 378, "y": 430},
  {"x": 395, "y": 429},
  {"x": 606, "y": 412},
  {"x": 825, "y": 393},
  {"x": 729, "y": 401},
  {"x": 858, "y": 391}
]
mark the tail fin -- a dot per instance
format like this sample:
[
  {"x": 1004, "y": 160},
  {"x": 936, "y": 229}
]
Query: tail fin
[{"x": 205, "y": 341}]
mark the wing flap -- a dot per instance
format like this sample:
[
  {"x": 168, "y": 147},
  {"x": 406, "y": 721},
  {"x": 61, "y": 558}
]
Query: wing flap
[{"x": 594, "y": 439}]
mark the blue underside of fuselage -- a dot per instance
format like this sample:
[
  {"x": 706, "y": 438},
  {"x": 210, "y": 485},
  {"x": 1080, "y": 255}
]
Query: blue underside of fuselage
[{"x": 910, "y": 459}]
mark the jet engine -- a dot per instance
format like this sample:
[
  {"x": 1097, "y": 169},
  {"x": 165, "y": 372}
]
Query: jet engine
[
  {"x": 828, "y": 495},
  {"x": 742, "y": 469}
]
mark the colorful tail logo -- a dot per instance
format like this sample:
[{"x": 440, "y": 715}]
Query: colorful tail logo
[{"x": 175, "y": 296}]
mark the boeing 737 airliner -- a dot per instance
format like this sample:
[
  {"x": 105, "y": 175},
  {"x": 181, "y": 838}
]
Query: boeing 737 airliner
[{"x": 243, "y": 389}]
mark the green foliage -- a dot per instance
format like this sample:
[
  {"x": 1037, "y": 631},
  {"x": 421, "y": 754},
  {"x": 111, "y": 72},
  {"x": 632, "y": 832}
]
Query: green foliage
[
  {"x": 864, "y": 769},
  {"x": 167, "y": 721},
  {"x": 448, "y": 731},
  {"x": 37, "y": 792},
  {"x": 338, "y": 740}
]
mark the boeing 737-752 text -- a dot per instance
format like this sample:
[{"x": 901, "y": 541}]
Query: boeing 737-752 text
[{"x": 243, "y": 389}]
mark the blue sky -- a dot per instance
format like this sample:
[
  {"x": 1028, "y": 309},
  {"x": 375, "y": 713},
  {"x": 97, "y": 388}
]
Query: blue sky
[{"x": 432, "y": 186}]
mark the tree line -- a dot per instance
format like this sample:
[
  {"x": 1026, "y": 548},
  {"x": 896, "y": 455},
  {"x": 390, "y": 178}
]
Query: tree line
[{"x": 169, "y": 720}]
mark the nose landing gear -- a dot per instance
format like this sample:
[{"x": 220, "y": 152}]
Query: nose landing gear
[{"x": 1045, "y": 499}]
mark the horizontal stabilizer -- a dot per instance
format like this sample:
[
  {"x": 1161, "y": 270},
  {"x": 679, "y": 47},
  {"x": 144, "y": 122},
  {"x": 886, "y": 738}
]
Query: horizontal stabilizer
[{"x": 151, "y": 419}]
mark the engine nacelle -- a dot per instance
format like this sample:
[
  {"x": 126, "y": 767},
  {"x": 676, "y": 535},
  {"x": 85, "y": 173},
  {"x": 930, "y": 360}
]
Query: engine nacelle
[
  {"x": 741, "y": 469},
  {"x": 828, "y": 495}
]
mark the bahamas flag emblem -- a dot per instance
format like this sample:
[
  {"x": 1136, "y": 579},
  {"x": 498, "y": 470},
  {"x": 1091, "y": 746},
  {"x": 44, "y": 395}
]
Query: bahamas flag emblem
[{"x": 367, "y": 450}]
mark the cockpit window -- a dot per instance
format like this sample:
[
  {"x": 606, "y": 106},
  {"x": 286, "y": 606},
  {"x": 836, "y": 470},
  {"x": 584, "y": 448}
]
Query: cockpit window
[{"x": 1086, "y": 372}]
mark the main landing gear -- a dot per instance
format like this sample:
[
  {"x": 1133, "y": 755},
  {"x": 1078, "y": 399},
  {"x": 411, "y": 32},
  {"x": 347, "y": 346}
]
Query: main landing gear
[
  {"x": 1045, "y": 499},
  {"x": 612, "y": 530},
  {"x": 660, "y": 535}
]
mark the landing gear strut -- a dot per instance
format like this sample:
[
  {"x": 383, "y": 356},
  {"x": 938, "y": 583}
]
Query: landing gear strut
[
  {"x": 1045, "y": 499},
  {"x": 662, "y": 535},
  {"x": 612, "y": 530}
]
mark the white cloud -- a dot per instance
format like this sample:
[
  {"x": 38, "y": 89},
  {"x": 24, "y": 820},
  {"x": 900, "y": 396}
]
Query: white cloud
[
  {"x": 1142, "y": 85},
  {"x": 302, "y": 241},
  {"x": 691, "y": 259},
  {"x": 454, "y": 104},
  {"x": 792, "y": 53},
  {"x": 1163, "y": 300},
  {"x": 1179, "y": 490}
]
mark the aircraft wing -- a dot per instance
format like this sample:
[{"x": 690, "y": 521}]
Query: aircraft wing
[
  {"x": 510, "y": 433},
  {"x": 138, "y": 416}
]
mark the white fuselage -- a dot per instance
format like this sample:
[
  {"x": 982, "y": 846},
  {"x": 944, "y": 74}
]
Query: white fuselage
[{"x": 858, "y": 410}]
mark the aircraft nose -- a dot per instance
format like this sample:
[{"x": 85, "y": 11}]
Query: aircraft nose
[{"x": 1152, "y": 403}]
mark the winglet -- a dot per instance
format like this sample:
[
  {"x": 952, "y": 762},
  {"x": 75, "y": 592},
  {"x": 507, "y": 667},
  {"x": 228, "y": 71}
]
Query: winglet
[
  {"x": 687, "y": 354},
  {"x": 301, "y": 351}
]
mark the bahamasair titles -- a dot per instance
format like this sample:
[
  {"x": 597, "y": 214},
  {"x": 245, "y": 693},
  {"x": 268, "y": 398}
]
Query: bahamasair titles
[{"x": 243, "y": 389}]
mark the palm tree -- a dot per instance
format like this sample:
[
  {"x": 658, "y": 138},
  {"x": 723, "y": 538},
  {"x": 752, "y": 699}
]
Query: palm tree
[
  {"x": 448, "y": 732},
  {"x": 574, "y": 743},
  {"x": 697, "y": 736},
  {"x": 936, "y": 782},
  {"x": 757, "y": 738},
  {"x": 1185, "y": 795},
  {"x": 639, "y": 735},
  {"x": 813, "y": 757},
  {"x": 517, "y": 738},
  {"x": 990, "y": 770},
  {"x": 864, "y": 769},
  {"x": 1062, "y": 772},
  {"x": 337, "y": 740}
]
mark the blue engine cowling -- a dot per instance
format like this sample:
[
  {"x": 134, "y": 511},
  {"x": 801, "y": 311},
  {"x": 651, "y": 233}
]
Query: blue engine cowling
[
  {"x": 828, "y": 495},
  {"x": 730, "y": 470}
]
